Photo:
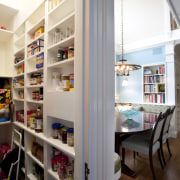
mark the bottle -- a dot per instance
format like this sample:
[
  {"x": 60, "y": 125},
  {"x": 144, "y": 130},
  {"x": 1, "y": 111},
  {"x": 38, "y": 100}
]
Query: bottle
[
  {"x": 39, "y": 121},
  {"x": 60, "y": 55}
]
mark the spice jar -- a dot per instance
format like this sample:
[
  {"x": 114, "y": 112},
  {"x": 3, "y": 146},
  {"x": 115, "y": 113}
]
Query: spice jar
[
  {"x": 65, "y": 81},
  {"x": 64, "y": 135},
  {"x": 55, "y": 130},
  {"x": 69, "y": 171},
  {"x": 65, "y": 55},
  {"x": 60, "y": 131},
  {"x": 70, "y": 52},
  {"x": 70, "y": 137},
  {"x": 61, "y": 172},
  {"x": 60, "y": 55}
]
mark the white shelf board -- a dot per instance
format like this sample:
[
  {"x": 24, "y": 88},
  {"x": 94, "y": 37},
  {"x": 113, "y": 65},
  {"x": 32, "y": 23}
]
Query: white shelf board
[
  {"x": 19, "y": 63},
  {"x": 33, "y": 56},
  {"x": 33, "y": 101},
  {"x": 19, "y": 51},
  {"x": 59, "y": 145},
  {"x": 67, "y": 20},
  {"x": 154, "y": 83},
  {"x": 61, "y": 6},
  {"x": 19, "y": 75},
  {"x": 35, "y": 159},
  {"x": 63, "y": 44},
  {"x": 157, "y": 104},
  {"x": 17, "y": 144},
  {"x": 16, "y": 87},
  {"x": 5, "y": 35},
  {"x": 35, "y": 86},
  {"x": 53, "y": 174},
  {"x": 22, "y": 126},
  {"x": 35, "y": 70},
  {"x": 32, "y": 177},
  {"x": 154, "y": 74},
  {"x": 4, "y": 123},
  {"x": 154, "y": 92},
  {"x": 61, "y": 63},
  {"x": 5, "y": 76},
  {"x": 36, "y": 26},
  {"x": 39, "y": 37},
  {"x": 16, "y": 99},
  {"x": 20, "y": 41},
  {"x": 38, "y": 135}
]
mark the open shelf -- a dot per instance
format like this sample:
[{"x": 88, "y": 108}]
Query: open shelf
[
  {"x": 36, "y": 26},
  {"x": 35, "y": 86},
  {"x": 61, "y": 63},
  {"x": 19, "y": 75},
  {"x": 39, "y": 37},
  {"x": 20, "y": 41},
  {"x": 63, "y": 44},
  {"x": 36, "y": 70},
  {"x": 33, "y": 101},
  {"x": 19, "y": 51},
  {"x": 53, "y": 174},
  {"x": 19, "y": 63},
  {"x": 35, "y": 159},
  {"x": 33, "y": 56},
  {"x": 63, "y": 147},
  {"x": 4, "y": 123},
  {"x": 5, "y": 35},
  {"x": 16, "y": 99},
  {"x": 64, "y": 22}
]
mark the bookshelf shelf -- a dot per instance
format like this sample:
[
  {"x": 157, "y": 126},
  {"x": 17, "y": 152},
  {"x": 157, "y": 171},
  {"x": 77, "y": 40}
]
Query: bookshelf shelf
[{"x": 154, "y": 84}]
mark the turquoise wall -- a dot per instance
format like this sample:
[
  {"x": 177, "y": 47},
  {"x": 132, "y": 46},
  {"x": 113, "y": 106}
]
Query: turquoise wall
[{"x": 133, "y": 92}]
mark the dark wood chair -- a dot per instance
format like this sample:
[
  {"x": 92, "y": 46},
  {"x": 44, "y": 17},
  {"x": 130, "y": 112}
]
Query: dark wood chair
[
  {"x": 165, "y": 134},
  {"x": 147, "y": 144}
]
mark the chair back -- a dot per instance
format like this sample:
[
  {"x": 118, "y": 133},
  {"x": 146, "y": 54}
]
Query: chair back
[
  {"x": 156, "y": 134},
  {"x": 167, "y": 122}
]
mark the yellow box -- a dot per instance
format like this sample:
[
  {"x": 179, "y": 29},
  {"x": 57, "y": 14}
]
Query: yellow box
[{"x": 39, "y": 32}]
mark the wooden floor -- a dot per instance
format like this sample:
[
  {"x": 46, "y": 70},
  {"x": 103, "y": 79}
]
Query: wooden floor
[{"x": 141, "y": 164}]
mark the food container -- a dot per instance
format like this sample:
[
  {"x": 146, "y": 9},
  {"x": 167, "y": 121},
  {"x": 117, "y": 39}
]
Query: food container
[
  {"x": 64, "y": 135},
  {"x": 65, "y": 81},
  {"x": 55, "y": 130},
  {"x": 70, "y": 137},
  {"x": 70, "y": 52}
]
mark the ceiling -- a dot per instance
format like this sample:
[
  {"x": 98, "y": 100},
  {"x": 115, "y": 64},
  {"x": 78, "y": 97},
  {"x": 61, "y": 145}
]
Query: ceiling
[{"x": 175, "y": 9}]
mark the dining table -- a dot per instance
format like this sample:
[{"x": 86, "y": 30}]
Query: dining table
[{"x": 131, "y": 122}]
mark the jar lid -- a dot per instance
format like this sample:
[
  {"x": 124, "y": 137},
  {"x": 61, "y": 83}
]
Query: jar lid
[
  {"x": 71, "y": 47},
  {"x": 54, "y": 125},
  {"x": 70, "y": 130}
]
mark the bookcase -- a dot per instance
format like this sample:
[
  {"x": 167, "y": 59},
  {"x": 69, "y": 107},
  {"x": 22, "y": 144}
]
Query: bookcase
[
  {"x": 154, "y": 84},
  {"x": 38, "y": 67}
]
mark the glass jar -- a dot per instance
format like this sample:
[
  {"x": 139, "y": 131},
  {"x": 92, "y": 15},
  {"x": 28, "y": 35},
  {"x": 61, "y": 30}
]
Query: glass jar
[
  {"x": 60, "y": 54},
  {"x": 60, "y": 132},
  {"x": 70, "y": 137},
  {"x": 70, "y": 52},
  {"x": 55, "y": 130},
  {"x": 64, "y": 135},
  {"x": 65, "y": 81}
]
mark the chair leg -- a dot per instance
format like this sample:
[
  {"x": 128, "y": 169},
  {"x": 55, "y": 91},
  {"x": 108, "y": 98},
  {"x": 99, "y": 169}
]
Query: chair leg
[
  {"x": 123, "y": 155},
  {"x": 162, "y": 153},
  {"x": 134, "y": 154},
  {"x": 159, "y": 156},
  {"x": 167, "y": 142},
  {"x": 151, "y": 166}
]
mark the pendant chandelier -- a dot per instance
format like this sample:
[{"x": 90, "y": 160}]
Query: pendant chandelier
[{"x": 122, "y": 67}]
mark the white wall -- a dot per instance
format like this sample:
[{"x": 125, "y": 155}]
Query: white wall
[{"x": 142, "y": 19}]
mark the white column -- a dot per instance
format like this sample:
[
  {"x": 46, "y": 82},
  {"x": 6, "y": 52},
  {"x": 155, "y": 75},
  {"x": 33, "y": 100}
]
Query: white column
[
  {"x": 95, "y": 86},
  {"x": 170, "y": 86}
]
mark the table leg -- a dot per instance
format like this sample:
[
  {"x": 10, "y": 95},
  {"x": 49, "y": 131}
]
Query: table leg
[{"x": 124, "y": 168}]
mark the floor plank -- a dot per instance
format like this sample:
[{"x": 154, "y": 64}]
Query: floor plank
[{"x": 141, "y": 164}]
